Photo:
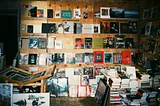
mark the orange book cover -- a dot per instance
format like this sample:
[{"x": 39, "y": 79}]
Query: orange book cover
[{"x": 126, "y": 57}]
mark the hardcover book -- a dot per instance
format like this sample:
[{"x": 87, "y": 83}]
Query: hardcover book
[
  {"x": 23, "y": 58},
  {"x": 32, "y": 59},
  {"x": 68, "y": 27},
  {"x": 117, "y": 58},
  {"x": 108, "y": 42},
  {"x": 66, "y": 13},
  {"x": 89, "y": 71},
  {"x": 29, "y": 28},
  {"x": 33, "y": 42},
  {"x": 126, "y": 57},
  {"x": 98, "y": 57},
  {"x": 49, "y": 13},
  {"x": 69, "y": 58},
  {"x": 79, "y": 43},
  {"x": 40, "y": 13},
  {"x": 105, "y": 26},
  {"x": 124, "y": 28},
  {"x": 108, "y": 57},
  {"x": 97, "y": 43},
  {"x": 114, "y": 27},
  {"x": 133, "y": 27},
  {"x": 42, "y": 43},
  {"x": 79, "y": 58},
  {"x": 77, "y": 13},
  {"x": 88, "y": 43},
  {"x": 77, "y": 28},
  {"x": 88, "y": 58}
]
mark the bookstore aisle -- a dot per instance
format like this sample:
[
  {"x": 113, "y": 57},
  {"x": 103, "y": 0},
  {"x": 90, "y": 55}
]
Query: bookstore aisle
[{"x": 85, "y": 53}]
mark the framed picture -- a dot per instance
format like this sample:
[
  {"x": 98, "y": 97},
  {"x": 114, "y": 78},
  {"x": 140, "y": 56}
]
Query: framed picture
[
  {"x": 6, "y": 92},
  {"x": 31, "y": 99},
  {"x": 104, "y": 12}
]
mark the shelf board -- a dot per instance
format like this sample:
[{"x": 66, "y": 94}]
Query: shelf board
[
  {"x": 116, "y": 19},
  {"x": 69, "y": 50},
  {"x": 61, "y": 35},
  {"x": 32, "y": 51},
  {"x": 34, "y": 18},
  {"x": 114, "y": 50},
  {"x": 113, "y": 35},
  {"x": 33, "y": 34},
  {"x": 70, "y": 19}
]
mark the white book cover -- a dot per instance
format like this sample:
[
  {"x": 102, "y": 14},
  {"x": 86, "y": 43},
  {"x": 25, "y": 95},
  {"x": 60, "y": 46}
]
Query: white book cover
[
  {"x": 33, "y": 68},
  {"x": 148, "y": 28},
  {"x": 84, "y": 79},
  {"x": 23, "y": 58},
  {"x": 74, "y": 80},
  {"x": 73, "y": 91},
  {"x": 92, "y": 81},
  {"x": 68, "y": 27},
  {"x": 42, "y": 59},
  {"x": 25, "y": 43},
  {"x": 104, "y": 12},
  {"x": 69, "y": 58},
  {"x": 57, "y": 14},
  {"x": 69, "y": 72},
  {"x": 37, "y": 28},
  {"x": 51, "y": 42},
  {"x": 96, "y": 28},
  {"x": 58, "y": 44},
  {"x": 82, "y": 91},
  {"x": 77, "y": 13},
  {"x": 131, "y": 71},
  {"x": 59, "y": 27},
  {"x": 87, "y": 28}
]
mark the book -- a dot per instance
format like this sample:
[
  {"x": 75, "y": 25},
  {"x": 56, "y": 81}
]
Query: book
[
  {"x": 79, "y": 58},
  {"x": 24, "y": 43},
  {"x": 89, "y": 71},
  {"x": 57, "y": 14},
  {"x": 32, "y": 59},
  {"x": 40, "y": 13},
  {"x": 51, "y": 42},
  {"x": 77, "y": 13},
  {"x": 63, "y": 87},
  {"x": 117, "y": 58},
  {"x": 42, "y": 59},
  {"x": 84, "y": 79},
  {"x": 33, "y": 42},
  {"x": 79, "y": 43},
  {"x": 37, "y": 28},
  {"x": 96, "y": 28},
  {"x": 108, "y": 42},
  {"x": 97, "y": 43},
  {"x": 48, "y": 28},
  {"x": 148, "y": 28},
  {"x": 56, "y": 58},
  {"x": 126, "y": 57},
  {"x": 88, "y": 58},
  {"x": 98, "y": 57},
  {"x": 29, "y": 28},
  {"x": 77, "y": 28},
  {"x": 58, "y": 44},
  {"x": 60, "y": 72},
  {"x": 66, "y": 13},
  {"x": 59, "y": 28},
  {"x": 97, "y": 14},
  {"x": 49, "y": 13},
  {"x": 114, "y": 27},
  {"x": 85, "y": 15},
  {"x": 104, "y": 12},
  {"x": 132, "y": 27},
  {"x": 87, "y": 28},
  {"x": 32, "y": 11},
  {"x": 108, "y": 57},
  {"x": 42, "y": 43},
  {"x": 104, "y": 26},
  {"x": 97, "y": 70},
  {"x": 129, "y": 43},
  {"x": 117, "y": 13},
  {"x": 124, "y": 27},
  {"x": 73, "y": 90},
  {"x": 88, "y": 43},
  {"x": 23, "y": 58},
  {"x": 68, "y": 27},
  {"x": 119, "y": 41},
  {"x": 69, "y": 58},
  {"x": 78, "y": 71}
]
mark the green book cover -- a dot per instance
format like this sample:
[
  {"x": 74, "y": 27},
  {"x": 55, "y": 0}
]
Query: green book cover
[
  {"x": 66, "y": 14},
  {"x": 98, "y": 43}
]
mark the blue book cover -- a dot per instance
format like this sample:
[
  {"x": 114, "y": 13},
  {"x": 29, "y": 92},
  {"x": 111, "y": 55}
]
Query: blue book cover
[{"x": 66, "y": 14}]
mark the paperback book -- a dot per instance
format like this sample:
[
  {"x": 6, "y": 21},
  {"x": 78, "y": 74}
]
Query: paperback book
[
  {"x": 108, "y": 57},
  {"x": 79, "y": 43},
  {"x": 29, "y": 28},
  {"x": 68, "y": 27},
  {"x": 117, "y": 58},
  {"x": 56, "y": 58},
  {"x": 77, "y": 13},
  {"x": 77, "y": 28},
  {"x": 23, "y": 58},
  {"x": 50, "y": 13},
  {"x": 40, "y": 13},
  {"x": 119, "y": 41},
  {"x": 59, "y": 28},
  {"x": 114, "y": 27},
  {"x": 124, "y": 27},
  {"x": 42, "y": 43},
  {"x": 88, "y": 58},
  {"x": 33, "y": 42},
  {"x": 79, "y": 58},
  {"x": 89, "y": 71},
  {"x": 69, "y": 58},
  {"x": 98, "y": 57},
  {"x": 126, "y": 57},
  {"x": 32, "y": 59},
  {"x": 108, "y": 42},
  {"x": 105, "y": 27}
]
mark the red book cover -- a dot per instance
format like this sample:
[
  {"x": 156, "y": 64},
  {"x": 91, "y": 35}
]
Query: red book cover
[
  {"x": 98, "y": 57},
  {"x": 126, "y": 57}
]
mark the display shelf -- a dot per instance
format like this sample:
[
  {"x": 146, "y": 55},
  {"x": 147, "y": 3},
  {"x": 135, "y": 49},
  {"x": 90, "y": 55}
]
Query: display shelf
[
  {"x": 34, "y": 18},
  {"x": 32, "y": 51},
  {"x": 117, "y": 50},
  {"x": 69, "y": 50}
]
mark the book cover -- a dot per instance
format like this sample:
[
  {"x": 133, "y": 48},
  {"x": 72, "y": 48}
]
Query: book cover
[
  {"x": 148, "y": 28},
  {"x": 108, "y": 57},
  {"x": 129, "y": 43},
  {"x": 117, "y": 13},
  {"x": 108, "y": 42},
  {"x": 32, "y": 59},
  {"x": 79, "y": 43},
  {"x": 79, "y": 58},
  {"x": 69, "y": 58},
  {"x": 32, "y": 11},
  {"x": 33, "y": 42},
  {"x": 68, "y": 27},
  {"x": 60, "y": 72},
  {"x": 124, "y": 27},
  {"x": 98, "y": 57},
  {"x": 74, "y": 80},
  {"x": 97, "y": 70},
  {"x": 96, "y": 28},
  {"x": 23, "y": 58},
  {"x": 82, "y": 91},
  {"x": 63, "y": 87},
  {"x": 51, "y": 42},
  {"x": 117, "y": 58},
  {"x": 84, "y": 79},
  {"x": 48, "y": 28},
  {"x": 56, "y": 58},
  {"x": 52, "y": 87},
  {"x": 37, "y": 28},
  {"x": 87, "y": 29},
  {"x": 58, "y": 44},
  {"x": 57, "y": 14},
  {"x": 88, "y": 43},
  {"x": 132, "y": 27},
  {"x": 126, "y": 57},
  {"x": 42, "y": 59},
  {"x": 77, "y": 13},
  {"x": 88, "y": 58},
  {"x": 89, "y": 71},
  {"x": 97, "y": 14},
  {"x": 104, "y": 12},
  {"x": 29, "y": 28},
  {"x": 40, "y": 13},
  {"x": 104, "y": 26},
  {"x": 92, "y": 90},
  {"x": 66, "y": 13},
  {"x": 90, "y": 15},
  {"x": 49, "y": 13},
  {"x": 78, "y": 71},
  {"x": 24, "y": 43},
  {"x": 77, "y": 28},
  {"x": 23, "y": 28},
  {"x": 85, "y": 15},
  {"x": 114, "y": 27},
  {"x": 73, "y": 90},
  {"x": 97, "y": 43},
  {"x": 42, "y": 43},
  {"x": 59, "y": 27},
  {"x": 68, "y": 43},
  {"x": 119, "y": 41}
]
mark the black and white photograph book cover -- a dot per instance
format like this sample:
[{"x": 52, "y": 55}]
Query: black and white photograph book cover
[
  {"x": 60, "y": 72},
  {"x": 88, "y": 58},
  {"x": 69, "y": 58},
  {"x": 42, "y": 43},
  {"x": 59, "y": 27},
  {"x": 132, "y": 27},
  {"x": 85, "y": 15},
  {"x": 114, "y": 27},
  {"x": 77, "y": 13},
  {"x": 79, "y": 58},
  {"x": 63, "y": 86},
  {"x": 33, "y": 42},
  {"x": 29, "y": 28},
  {"x": 104, "y": 12},
  {"x": 32, "y": 59},
  {"x": 89, "y": 71},
  {"x": 78, "y": 71},
  {"x": 148, "y": 28},
  {"x": 96, "y": 28},
  {"x": 55, "y": 58},
  {"x": 57, "y": 14},
  {"x": 6, "y": 93},
  {"x": 23, "y": 58},
  {"x": 31, "y": 99},
  {"x": 68, "y": 27}
]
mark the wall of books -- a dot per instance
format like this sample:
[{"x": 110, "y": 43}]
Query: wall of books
[{"x": 81, "y": 38}]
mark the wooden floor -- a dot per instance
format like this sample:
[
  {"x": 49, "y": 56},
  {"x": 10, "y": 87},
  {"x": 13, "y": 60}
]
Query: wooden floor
[{"x": 66, "y": 101}]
